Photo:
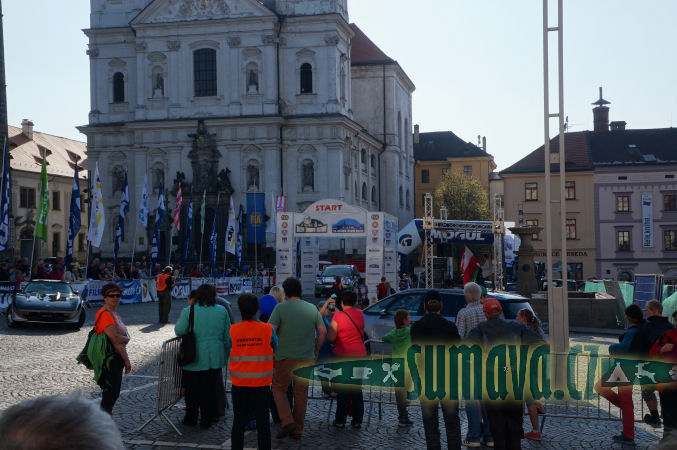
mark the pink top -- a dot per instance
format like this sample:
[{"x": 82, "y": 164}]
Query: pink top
[{"x": 349, "y": 341}]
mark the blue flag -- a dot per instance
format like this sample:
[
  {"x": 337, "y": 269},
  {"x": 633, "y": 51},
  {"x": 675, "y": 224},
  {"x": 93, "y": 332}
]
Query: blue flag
[
  {"x": 256, "y": 230},
  {"x": 241, "y": 225},
  {"x": 189, "y": 226},
  {"x": 120, "y": 228},
  {"x": 159, "y": 218},
  {"x": 74, "y": 220},
  {"x": 213, "y": 238},
  {"x": 4, "y": 201}
]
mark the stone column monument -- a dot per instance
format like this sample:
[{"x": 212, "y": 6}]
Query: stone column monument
[{"x": 526, "y": 278}]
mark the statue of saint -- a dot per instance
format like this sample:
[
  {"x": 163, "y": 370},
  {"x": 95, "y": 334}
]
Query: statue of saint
[
  {"x": 158, "y": 85},
  {"x": 253, "y": 177},
  {"x": 253, "y": 82}
]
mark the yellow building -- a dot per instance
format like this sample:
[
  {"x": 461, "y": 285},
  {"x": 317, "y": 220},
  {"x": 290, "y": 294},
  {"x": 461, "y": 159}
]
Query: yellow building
[
  {"x": 524, "y": 191},
  {"x": 441, "y": 152},
  {"x": 26, "y": 150}
]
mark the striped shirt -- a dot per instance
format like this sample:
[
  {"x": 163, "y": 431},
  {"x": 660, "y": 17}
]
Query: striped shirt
[{"x": 469, "y": 317}]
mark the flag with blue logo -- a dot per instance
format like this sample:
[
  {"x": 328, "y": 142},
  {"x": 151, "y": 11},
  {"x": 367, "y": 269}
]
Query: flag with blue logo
[
  {"x": 213, "y": 238},
  {"x": 189, "y": 226},
  {"x": 143, "y": 209},
  {"x": 5, "y": 198},
  {"x": 120, "y": 228},
  {"x": 74, "y": 220},
  {"x": 159, "y": 218}
]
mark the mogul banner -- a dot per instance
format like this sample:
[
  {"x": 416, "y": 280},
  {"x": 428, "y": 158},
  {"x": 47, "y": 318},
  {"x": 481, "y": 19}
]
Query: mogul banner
[{"x": 7, "y": 291}]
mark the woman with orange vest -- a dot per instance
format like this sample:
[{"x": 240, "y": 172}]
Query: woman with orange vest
[{"x": 251, "y": 372}]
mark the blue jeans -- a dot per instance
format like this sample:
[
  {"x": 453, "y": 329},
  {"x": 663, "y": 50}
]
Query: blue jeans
[{"x": 477, "y": 430}]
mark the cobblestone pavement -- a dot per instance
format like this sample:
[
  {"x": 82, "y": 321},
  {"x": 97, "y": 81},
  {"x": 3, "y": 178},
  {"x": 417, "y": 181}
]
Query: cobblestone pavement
[{"x": 40, "y": 360}]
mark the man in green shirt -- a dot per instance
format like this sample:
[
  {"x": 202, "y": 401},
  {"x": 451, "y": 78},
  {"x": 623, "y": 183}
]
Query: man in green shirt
[{"x": 301, "y": 332}]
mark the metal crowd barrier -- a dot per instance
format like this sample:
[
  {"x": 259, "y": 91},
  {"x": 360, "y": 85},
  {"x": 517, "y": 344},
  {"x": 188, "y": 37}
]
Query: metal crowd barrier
[{"x": 169, "y": 382}]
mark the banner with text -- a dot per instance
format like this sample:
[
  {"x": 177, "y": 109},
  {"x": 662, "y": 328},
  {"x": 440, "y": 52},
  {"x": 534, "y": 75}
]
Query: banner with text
[{"x": 7, "y": 291}]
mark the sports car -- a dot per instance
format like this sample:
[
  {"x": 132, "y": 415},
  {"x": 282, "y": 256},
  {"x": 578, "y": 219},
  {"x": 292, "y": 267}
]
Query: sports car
[{"x": 47, "y": 301}]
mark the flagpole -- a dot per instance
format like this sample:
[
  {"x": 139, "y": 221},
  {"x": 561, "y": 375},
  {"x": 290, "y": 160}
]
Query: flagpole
[
  {"x": 89, "y": 213},
  {"x": 202, "y": 228},
  {"x": 35, "y": 228},
  {"x": 2, "y": 185}
]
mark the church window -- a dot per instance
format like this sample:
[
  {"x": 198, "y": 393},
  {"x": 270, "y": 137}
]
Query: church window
[
  {"x": 373, "y": 194},
  {"x": 357, "y": 192},
  {"x": 364, "y": 192},
  {"x": 401, "y": 198},
  {"x": 118, "y": 87},
  {"x": 407, "y": 199},
  {"x": 373, "y": 161},
  {"x": 343, "y": 83},
  {"x": 363, "y": 157},
  {"x": 306, "y": 79},
  {"x": 204, "y": 72}
]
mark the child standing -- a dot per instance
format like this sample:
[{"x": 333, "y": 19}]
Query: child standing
[{"x": 401, "y": 341}]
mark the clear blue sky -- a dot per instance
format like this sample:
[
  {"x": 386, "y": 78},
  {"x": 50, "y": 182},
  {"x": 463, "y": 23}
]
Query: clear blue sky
[{"x": 477, "y": 64}]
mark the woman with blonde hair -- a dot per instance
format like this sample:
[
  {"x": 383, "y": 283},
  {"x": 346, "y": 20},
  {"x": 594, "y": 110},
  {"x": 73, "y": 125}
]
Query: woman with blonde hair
[{"x": 278, "y": 293}]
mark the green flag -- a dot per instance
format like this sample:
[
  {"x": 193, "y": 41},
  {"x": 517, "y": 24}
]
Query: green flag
[
  {"x": 43, "y": 205},
  {"x": 202, "y": 213}
]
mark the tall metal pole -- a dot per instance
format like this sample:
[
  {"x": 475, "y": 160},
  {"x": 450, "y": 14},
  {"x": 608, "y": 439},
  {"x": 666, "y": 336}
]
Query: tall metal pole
[
  {"x": 3, "y": 85},
  {"x": 562, "y": 182},
  {"x": 546, "y": 158}
]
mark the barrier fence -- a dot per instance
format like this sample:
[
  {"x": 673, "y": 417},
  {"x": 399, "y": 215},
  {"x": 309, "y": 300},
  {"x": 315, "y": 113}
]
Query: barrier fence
[
  {"x": 169, "y": 382},
  {"x": 584, "y": 371}
]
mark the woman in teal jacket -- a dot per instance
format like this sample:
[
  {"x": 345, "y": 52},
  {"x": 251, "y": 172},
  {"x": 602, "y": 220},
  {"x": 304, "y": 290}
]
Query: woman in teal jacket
[{"x": 211, "y": 327}]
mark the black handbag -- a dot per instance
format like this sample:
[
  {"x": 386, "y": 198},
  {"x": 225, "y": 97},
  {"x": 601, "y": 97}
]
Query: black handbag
[{"x": 187, "y": 347}]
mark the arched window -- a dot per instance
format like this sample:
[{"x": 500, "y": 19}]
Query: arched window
[
  {"x": 357, "y": 192},
  {"x": 306, "y": 79},
  {"x": 372, "y": 162},
  {"x": 399, "y": 130},
  {"x": 308, "y": 176},
  {"x": 363, "y": 156},
  {"x": 407, "y": 133},
  {"x": 407, "y": 199},
  {"x": 401, "y": 197},
  {"x": 373, "y": 194},
  {"x": 204, "y": 72},
  {"x": 118, "y": 87},
  {"x": 364, "y": 192}
]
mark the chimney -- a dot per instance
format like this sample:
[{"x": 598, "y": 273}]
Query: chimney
[
  {"x": 618, "y": 125},
  {"x": 27, "y": 128},
  {"x": 484, "y": 143},
  {"x": 600, "y": 113},
  {"x": 416, "y": 132}
]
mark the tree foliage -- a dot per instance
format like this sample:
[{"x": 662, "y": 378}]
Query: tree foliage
[{"x": 463, "y": 196}]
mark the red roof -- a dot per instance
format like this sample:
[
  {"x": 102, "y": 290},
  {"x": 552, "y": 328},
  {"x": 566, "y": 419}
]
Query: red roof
[
  {"x": 364, "y": 51},
  {"x": 576, "y": 150}
]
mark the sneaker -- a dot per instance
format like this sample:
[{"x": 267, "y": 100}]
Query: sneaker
[
  {"x": 338, "y": 425},
  {"x": 473, "y": 444},
  {"x": 621, "y": 439},
  {"x": 535, "y": 435},
  {"x": 652, "y": 420},
  {"x": 405, "y": 423},
  {"x": 489, "y": 444}
]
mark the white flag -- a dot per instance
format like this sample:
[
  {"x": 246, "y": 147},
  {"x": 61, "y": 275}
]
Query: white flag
[
  {"x": 143, "y": 209},
  {"x": 231, "y": 231},
  {"x": 97, "y": 218}
]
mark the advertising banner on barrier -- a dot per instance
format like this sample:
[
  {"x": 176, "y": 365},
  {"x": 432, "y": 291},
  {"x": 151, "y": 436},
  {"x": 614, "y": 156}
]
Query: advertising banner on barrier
[
  {"x": 148, "y": 290},
  {"x": 222, "y": 286},
  {"x": 7, "y": 291},
  {"x": 247, "y": 285},
  {"x": 131, "y": 291},
  {"x": 181, "y": 289},
  {"x": 235, "y": 286}
]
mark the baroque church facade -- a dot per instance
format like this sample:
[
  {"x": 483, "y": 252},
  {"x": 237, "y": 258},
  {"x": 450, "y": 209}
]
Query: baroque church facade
[{"x": 282, "y": 97}]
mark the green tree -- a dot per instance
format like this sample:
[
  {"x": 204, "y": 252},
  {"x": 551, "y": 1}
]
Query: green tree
[{"x": 463, "y": 196}]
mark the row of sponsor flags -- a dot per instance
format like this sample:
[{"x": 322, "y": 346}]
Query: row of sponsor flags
[{"x": 97, "y": 219}]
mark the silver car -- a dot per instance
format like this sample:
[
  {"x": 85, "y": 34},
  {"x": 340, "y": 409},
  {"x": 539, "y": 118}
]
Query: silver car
[
  {"x": 378, "y": 318},
  {"x": 47, "y": 301}
]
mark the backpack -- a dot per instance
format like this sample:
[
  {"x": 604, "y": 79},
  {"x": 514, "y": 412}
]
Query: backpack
[{"x": 668, "y": 338}]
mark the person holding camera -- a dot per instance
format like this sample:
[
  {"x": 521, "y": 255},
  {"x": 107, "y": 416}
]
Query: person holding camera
[{"x": 346, "y": 331}]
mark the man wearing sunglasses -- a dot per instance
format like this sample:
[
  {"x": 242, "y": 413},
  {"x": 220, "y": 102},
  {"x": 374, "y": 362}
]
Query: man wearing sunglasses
[{"x": 109, "y": 323}]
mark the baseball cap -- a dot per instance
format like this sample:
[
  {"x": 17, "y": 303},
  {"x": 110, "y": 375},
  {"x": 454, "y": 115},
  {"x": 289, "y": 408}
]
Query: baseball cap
[
  {"x": 432, "y": 297},
  {"x": 491, "y": 306}
]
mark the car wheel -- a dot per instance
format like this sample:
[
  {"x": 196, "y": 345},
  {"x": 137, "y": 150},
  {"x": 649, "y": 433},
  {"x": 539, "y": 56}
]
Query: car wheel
[
  {"x": 11, "y": 323},
  {"x": 81, "y": 320}
]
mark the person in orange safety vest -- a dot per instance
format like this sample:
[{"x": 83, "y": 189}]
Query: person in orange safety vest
[{"x": 251, "y": 371}]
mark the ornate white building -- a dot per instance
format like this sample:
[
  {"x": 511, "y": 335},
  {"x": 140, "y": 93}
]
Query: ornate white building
[{"x": 286, "y": 96}]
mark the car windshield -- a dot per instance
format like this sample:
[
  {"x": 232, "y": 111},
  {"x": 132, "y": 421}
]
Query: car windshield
[
  {"x": 512, "y": 307},
  {"x": 337, "y": 272},
  {"x": 37, "y": 287}
]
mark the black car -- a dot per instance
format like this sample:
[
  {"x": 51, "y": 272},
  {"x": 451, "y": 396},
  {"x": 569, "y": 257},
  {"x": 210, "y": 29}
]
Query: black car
[
  {"x": 378, "y": 318},
  {"x": 47, "y": 301}
]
